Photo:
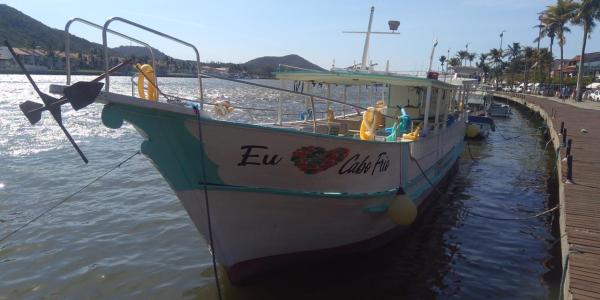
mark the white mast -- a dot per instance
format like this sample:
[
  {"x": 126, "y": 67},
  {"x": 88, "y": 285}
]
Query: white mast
[
  {"x": 393, "y": 27},
  {"x": 368, "y": 36},
  {"x": 431, "y": 56}
]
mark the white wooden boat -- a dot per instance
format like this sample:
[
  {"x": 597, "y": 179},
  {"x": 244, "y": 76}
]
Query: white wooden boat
[{"x": 288, "y": 191}]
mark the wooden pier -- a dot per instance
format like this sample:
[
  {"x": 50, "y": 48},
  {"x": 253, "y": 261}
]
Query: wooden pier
[{"x": 579, "y": 198}]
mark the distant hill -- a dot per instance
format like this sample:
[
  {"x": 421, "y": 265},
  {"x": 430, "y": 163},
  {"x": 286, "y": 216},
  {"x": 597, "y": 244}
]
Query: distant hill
[
  {"x": 267, "y": 64},
  {"x": 138, "y": 51},
  {"x": 23, "y": 31}
]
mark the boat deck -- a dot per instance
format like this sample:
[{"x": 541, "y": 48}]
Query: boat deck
[{"x": 580, "y": 200}]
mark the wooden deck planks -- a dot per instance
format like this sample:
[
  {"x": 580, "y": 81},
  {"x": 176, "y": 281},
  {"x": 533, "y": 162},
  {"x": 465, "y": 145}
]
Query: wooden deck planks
[{"x": 582, "y": 197}]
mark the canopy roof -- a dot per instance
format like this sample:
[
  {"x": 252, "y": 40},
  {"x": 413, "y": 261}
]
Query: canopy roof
[{"x": 360, "y": 78}]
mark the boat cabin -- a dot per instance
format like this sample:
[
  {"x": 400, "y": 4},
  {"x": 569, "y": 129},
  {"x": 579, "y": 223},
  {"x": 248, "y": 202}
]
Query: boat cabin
[{"x": 429, "y": 103}]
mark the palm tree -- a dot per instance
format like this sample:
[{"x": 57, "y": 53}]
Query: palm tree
[
  {"x": 442, "y": 61},
  {"x": 588, "y": 11},
  {"x": 462, "y": 55},
  {"x": 471, "y": 57},
  {"x": 527, "y": 55},
  {"x": 547, "y": 29},
  {"x": 514, "y": 51},
  {"x": 513, "y": 54},
  {"x": 483, "y": 65},
  {"x": 496, "y": 57},
  {"x": 543, "y": 58},
  {"x": 560, "y": 14},
  {"x": 454, "y": 62}
]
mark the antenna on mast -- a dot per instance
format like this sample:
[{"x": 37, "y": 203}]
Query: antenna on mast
[{"x": 393, "y": 24}]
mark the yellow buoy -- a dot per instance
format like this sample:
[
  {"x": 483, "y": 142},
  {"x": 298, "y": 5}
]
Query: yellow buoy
[
  {"x": 402, "y": 210},
  {"x": 368, "y": 125},
  {"x": 472, "y": 131}
]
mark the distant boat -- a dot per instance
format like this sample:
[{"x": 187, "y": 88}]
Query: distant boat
[
  {"x": 479, "y": 124},
  {"x": 499, "y": 110}
]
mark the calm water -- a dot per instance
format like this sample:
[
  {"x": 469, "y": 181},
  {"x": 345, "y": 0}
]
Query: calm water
[{"x": 127, "y": 236}]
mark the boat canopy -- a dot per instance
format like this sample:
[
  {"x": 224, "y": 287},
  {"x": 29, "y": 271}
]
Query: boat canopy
[{"x": 360, "y": 78}]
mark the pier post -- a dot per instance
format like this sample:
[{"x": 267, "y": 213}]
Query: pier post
[
  {"x": 564, "y": 136},
  {"x": 569, "y": 144},
  {"x": 562, "y": 127},
  {"x": 570, "y": 168}
]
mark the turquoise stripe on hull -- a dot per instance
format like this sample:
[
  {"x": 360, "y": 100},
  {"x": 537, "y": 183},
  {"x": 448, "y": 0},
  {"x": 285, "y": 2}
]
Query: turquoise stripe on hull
[{"x": 172, "y": 149}]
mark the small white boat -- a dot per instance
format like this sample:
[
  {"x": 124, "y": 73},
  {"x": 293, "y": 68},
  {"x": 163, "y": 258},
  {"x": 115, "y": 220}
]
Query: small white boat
[
  {"x": 479, "y": 124},
  {"x": 499, "y": 110}
]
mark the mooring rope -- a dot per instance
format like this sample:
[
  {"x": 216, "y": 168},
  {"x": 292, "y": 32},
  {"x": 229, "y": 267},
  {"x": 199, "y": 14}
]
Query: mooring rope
[
  {"x": 67, "y": 198},
  {"x": 513, "y": 219},
  {"x": 206, "y": 203}
]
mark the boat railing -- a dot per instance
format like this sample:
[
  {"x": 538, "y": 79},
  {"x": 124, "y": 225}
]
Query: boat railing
[
  {"x": 94, "y": 25},
  {"x": 156, "y": 32},
  {"x": 311, "y": 98}
]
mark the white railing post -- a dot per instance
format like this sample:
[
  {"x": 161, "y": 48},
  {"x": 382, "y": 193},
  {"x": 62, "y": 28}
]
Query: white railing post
[{"x": 425, "y": 128}]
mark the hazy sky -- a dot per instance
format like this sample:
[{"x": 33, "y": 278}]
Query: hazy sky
[{"x": 237, "y": 31}]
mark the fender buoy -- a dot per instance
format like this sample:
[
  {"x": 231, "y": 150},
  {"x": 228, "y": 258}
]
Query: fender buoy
[
  {"x": 402, "y": 210},
  {"x": 330, "y": 115},
  {"x": 368, "y": 125},
  {"x": 413, "y": 136},
  {"x": 147, "y": 71}
]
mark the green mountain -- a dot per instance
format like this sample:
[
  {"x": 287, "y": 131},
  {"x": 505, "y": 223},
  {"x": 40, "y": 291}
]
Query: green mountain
[
  {"x": 23, "y": 31},
  {"x": 265, "y": 65}
]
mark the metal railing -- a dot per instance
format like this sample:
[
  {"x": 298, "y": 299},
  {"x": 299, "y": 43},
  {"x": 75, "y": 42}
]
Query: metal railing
[
  {"x": 94, "y": 25},
  {"x": 106, "y": 62}
]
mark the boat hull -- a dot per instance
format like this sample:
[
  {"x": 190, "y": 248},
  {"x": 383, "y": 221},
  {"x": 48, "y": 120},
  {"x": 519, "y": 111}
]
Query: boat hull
[
  {"x": 479, "y": 127},
  {"x": 277, "y": 194},
  {"x": 256, "y": 232}
]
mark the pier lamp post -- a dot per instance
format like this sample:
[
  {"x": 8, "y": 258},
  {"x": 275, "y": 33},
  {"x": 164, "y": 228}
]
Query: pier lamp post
[
  {"x": 448, "y": 56},
  {"x": 501, "y": 36}
]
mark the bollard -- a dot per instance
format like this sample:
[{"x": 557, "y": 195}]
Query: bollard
[
  {"x": 570, "y": 168},
  {"x": 569, "y": 144},
  {"x": 562, "y": 127},
  {"x": 564, "y": 141}
]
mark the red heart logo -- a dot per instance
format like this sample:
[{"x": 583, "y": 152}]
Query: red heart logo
[{"x": 314, "y": 159}]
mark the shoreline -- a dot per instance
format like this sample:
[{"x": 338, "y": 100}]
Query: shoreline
[{"x": 99, "y": 72}]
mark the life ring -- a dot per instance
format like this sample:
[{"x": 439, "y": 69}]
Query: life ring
[
  {"x": 368, "y": 125},
  {"x": 147, "y": 71}
]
